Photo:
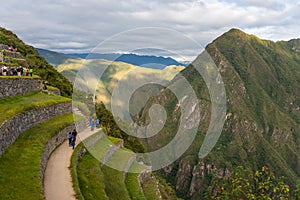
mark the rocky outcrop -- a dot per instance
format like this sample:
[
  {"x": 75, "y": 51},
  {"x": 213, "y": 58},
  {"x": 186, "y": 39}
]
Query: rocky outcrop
[
  {"x": 13, "y": 54},
  {"x": 13, "y": 127},
  {"x": 10, "y": 87}
]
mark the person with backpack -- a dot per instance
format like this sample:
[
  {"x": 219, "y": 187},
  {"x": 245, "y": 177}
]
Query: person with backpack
[
  {"x": 70, "y": 138},
  {"x": 73, "y": 142},
  {"x": 92, "y": 124},
  {"x": 98, "y": 121}
]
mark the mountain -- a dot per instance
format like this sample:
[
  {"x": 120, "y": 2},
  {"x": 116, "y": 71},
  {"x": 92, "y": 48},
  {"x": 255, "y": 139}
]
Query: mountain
[
  {"x": 147, "y": 61},
  {"x": 38, "y": 63},
  {"x": 53, "y": 57},
  {"x": 262, "y": 125}
]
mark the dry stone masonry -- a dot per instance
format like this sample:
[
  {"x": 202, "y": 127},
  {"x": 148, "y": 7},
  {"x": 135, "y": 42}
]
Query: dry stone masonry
[
  {"x": 13, "y": 127},
  {"x": 10, "y": 87}
]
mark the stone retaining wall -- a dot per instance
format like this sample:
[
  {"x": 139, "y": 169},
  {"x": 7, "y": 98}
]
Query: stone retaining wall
[
  {"x": 13, "y": 127},
  {"x": 10, "y": 87}
]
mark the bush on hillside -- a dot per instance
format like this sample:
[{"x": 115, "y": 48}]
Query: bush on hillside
[{"x": 244, "y": 184}]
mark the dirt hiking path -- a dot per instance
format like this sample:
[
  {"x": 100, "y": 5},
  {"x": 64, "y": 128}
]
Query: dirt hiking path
[{"x": 58, "y": 180}]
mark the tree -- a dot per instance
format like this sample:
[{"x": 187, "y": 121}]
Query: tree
[
  {"x": 244, "y": 184},
  {"x": 112, "y": 129}
]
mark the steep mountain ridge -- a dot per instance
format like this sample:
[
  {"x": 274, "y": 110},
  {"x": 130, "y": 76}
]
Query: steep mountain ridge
[{"x": 262, "y": 127}]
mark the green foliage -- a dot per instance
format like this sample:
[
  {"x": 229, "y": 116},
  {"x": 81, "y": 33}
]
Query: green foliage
[
  {"x": 133, "y": 187},
  {"x": 112, "y": 129},
  {"x": 20, "y": 163},
  {"x": 17, "y": 77},
  {"x": 244, "y": 184},
  {"x": 90, "y": 178},
  {"x": 166, "y": 190},
  {"x": 150, "y": 188},
  {"x": 261, "y": 79},
  {"x": 74, "y": 174},
  {"x": 39, "y": 64},
  {"x": 11, "y": 106},
  {"x": 84, "y": 102},
  {"x": 114, "y": 183}
]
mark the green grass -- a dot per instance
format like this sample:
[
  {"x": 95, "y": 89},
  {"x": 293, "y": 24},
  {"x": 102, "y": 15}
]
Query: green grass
[
  {"x": 20, "y": 164},
  {"x": 150, "y": 189},
  {"x": 114, "y": 140},
  {"x": 11, "y": 106},
  {"x": 51, "y": 88},
  {"x": 166, "y": 191},
  {"x": 115, "y": 187},
  {"x": 74, "y": 174},
  {"x": 120, "y": 158},
  {"x": 98, "y": 183},
  {"x": 18, "y": 77},
  {"x": 90, "y": 178},
  {"x": 133, "y": 187},
  {"x": 132, "y": 182},
  {"x": 100, "y": 148},
  {"x": 95, "y": 182}
]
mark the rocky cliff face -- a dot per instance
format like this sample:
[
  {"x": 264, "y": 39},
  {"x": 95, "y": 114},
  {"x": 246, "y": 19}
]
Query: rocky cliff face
[{"x": 262, "y": 123}]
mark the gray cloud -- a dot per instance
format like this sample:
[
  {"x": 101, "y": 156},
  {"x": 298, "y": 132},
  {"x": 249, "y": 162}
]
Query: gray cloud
[{"x": 77, "y": 26}]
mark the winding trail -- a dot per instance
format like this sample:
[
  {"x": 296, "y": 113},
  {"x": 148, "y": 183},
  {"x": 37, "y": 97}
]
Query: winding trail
[{"x": 57, "y": 179}]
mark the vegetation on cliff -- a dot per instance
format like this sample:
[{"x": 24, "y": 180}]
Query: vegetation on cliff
[{"x": 261, "y": 79}]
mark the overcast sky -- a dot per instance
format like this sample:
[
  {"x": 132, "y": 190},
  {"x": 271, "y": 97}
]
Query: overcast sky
[{"x": 80, "y": 26}]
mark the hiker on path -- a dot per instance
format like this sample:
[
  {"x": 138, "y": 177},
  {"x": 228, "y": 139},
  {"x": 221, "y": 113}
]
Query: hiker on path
[
  {"x": 92, "y": 124},
  {"x": 74, "y": 133},
  {"x": 70, "y": 138},
  {"x": 73, "y": 142},
  {"x": 98, "y": 121}
]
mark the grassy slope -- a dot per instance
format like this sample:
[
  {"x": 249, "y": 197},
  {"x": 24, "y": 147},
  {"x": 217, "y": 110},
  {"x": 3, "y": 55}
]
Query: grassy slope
[
  {"x": 11, "y": 106},
  {"x": 90, "y": 178},
  {"x": 114, "y": 184},
  {"x": 132, "y": 183},
  {"x": 94, "y": 182},
  {"x": 20, "y": 164},
  {"x": 39, "y": 64}
]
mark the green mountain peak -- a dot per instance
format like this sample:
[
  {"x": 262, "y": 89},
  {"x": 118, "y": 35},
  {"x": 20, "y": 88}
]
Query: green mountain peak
[{"x": 262, "y": 127}]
